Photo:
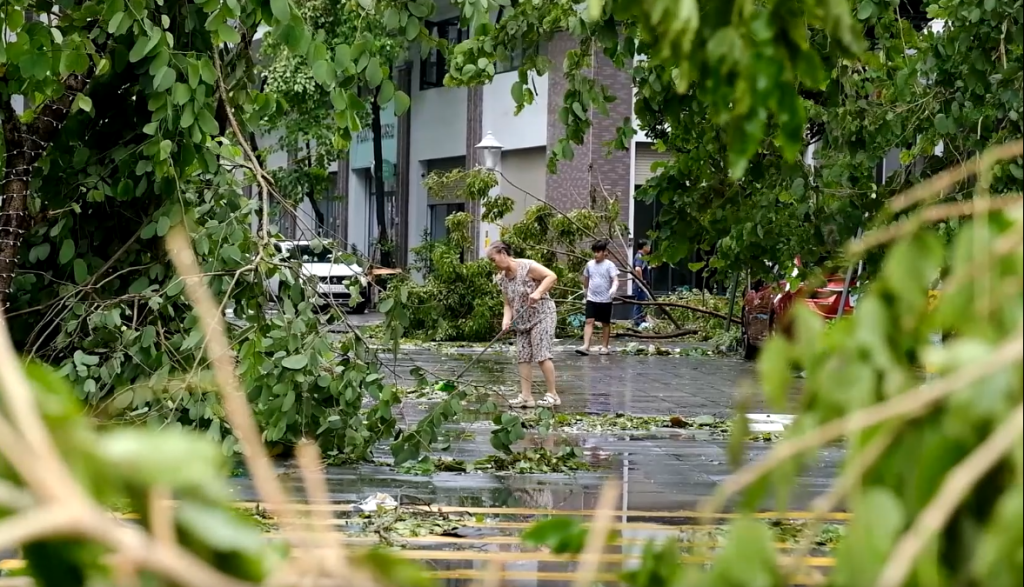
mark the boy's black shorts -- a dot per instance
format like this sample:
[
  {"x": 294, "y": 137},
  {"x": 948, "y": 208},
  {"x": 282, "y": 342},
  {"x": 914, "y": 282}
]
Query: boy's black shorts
[{"x": 599, "y": 311}]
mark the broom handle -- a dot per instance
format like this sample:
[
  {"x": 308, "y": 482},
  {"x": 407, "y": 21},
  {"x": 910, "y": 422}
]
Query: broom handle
[{"x": 490, "y": 344}]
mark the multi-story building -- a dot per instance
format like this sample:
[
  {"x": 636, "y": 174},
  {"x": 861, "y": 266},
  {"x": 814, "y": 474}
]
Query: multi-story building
[{"x": 441, "y": 129}]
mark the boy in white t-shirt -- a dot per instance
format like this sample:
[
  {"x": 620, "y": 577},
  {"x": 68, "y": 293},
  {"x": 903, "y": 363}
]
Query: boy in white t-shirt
[{"x": 601, "y": 280}]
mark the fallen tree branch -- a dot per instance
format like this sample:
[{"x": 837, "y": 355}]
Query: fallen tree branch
[
  {"x": 218, "y": 349},
  {"x": 644, "y": 335},
  {"x": 697, "y": 309},
  {"x": 261, "y": 176}
]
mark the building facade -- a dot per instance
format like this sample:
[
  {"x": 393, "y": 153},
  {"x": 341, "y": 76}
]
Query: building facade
[{"x": 439, "y": 132}]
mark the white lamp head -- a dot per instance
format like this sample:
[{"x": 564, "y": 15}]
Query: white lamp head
[{"x": 490, "y": 149}]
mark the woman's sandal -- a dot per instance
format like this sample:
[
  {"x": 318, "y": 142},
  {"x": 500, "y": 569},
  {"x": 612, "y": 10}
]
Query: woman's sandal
[
  {"x": 549, "y": 401},
  {"x": 521, "y": 402}
]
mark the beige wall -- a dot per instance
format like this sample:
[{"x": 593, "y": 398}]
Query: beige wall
[{"x": 526, "y": 168}]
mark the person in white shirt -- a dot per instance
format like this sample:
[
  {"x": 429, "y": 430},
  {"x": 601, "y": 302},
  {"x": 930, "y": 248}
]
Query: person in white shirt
[{"x": 601, "y": 281}]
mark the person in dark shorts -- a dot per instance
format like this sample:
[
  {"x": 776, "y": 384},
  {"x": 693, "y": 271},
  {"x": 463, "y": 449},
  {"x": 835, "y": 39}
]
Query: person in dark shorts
[{"x": 600, "y": 280}]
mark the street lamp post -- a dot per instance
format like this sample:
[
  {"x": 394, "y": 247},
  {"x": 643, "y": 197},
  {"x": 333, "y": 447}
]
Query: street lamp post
[{"x": 490, "y": 151}]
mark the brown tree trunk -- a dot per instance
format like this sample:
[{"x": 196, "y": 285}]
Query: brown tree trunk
[
  {"x": 13, "y": 210},
  {"x": 25, "y": 145}
]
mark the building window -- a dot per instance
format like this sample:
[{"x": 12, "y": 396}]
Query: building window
[
  {"x": 434, "y": 65},
  {"x": 667, "y": 278},
  {"x": 514, "y": 59},
  {"x": 332, "y": 207},
  {"x": 438, "y": 214}
]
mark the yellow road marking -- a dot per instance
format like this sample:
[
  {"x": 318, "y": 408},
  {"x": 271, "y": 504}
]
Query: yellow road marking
[
  {"x": 799, "y": 515},
  {"x": 567, "y": 577},
  {"x": 523, "y": 525},
  {"x": 503, "y": 556}
]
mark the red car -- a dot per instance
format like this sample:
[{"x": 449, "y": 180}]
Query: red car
[{"x": 765, "y": 307}]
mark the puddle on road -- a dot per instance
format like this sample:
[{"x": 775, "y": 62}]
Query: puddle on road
[{"x": 660, "y": 469}]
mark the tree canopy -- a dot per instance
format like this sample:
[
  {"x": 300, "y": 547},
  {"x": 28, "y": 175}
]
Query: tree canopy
[
  {"x": 745, "y": 88},
  {"x": 137, "y": 117}
]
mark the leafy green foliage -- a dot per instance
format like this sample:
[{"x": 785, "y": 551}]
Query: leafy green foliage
[
  {"x": 754, "y": 87},
  {"x": 152, "y": 147},
  {"x": 735, "y": 58},
  {"x": 561, "y": 535},
  {"x": 535, "y": 461},
  {"x": 120, "y": 466},
  {"x": 392, "y": 525},
  {"x": 900, "y": 95},
  {"x": 350, "y": 49},
  {"x": 457, "y": 300}
]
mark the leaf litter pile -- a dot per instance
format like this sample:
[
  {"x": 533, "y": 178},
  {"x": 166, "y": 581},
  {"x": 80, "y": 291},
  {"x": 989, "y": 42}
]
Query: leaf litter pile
[
  {"x": 560, "y": 533},
  {"x": 527, "y": 462}
]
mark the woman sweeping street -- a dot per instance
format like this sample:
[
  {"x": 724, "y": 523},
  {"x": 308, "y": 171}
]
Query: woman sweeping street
[{"x": 530, "y": 311}]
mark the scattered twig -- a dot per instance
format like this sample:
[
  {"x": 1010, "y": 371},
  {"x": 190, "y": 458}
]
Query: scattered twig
[
  {"x": 492, "y": 578},
  {"x": 49, "y": 477},
  {"x": 161, "y": 516},
  {"x": 32, "y": 525},
  {"x": 13, "y": 497},
  {"x": 330, "y": 552}
]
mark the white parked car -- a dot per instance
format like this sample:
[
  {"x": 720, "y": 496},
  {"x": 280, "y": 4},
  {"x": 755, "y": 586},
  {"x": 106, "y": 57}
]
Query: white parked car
[{"x": 333, "y": 277}]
